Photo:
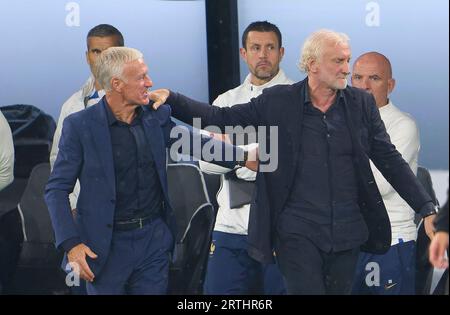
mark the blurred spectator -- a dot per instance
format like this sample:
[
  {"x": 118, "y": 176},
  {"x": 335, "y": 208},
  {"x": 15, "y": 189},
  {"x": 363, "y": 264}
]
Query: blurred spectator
[
  {"x": 372, "y": 72},
  {"x": 98, "y": 39},
  {"x": 6, "y": 153}
]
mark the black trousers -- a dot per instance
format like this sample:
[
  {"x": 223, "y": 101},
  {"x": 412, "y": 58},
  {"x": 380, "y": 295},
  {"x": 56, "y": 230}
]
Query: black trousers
[{"x": 308, "y": 270}]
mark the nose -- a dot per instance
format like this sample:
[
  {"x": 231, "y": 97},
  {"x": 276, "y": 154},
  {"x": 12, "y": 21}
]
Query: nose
[
  {"x": 148, "y": 82},
  {"x": 263, "y": 53},
  {"x": 365, "y": 84},
  {"x": 346, "y": 68}
]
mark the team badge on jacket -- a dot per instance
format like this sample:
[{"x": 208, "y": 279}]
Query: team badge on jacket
[{"x": 212, "y": 248}]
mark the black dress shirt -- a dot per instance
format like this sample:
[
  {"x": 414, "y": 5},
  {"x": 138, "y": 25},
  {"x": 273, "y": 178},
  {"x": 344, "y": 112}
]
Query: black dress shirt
[
  {"x": 323, "y": 204},
  {"x": 138, "y": 189}
]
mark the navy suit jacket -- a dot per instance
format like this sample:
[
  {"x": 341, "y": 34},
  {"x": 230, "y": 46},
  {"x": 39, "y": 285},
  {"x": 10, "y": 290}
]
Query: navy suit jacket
[
  {"x": 282, "y": 106},
  {"x": 85, "y": 153}
]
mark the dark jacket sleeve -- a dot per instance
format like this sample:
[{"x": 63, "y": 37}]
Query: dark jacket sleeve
[
  {"x": 185, "y": 109},
  {"x": 441, "y": 221},
  {"x": 62, "y": 181},
  {"x": 192, "y": 143}
]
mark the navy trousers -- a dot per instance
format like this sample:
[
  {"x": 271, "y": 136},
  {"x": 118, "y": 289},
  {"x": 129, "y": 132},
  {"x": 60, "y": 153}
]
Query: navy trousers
[
  {"x": 232, "y": 271},
  {"x": 138, "y": 262}
]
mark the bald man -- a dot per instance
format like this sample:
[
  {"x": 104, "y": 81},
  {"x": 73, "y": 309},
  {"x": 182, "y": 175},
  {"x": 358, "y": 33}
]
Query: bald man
[{"x": 373, "y": 72}]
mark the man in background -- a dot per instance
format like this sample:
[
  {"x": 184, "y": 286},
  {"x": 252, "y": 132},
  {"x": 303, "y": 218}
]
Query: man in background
[
  {"x": 230, "y": 269},
  {"x": 6, "y": 153},
  {"x": 99, "y": 38},
  {"x": 373, "y": 72}
]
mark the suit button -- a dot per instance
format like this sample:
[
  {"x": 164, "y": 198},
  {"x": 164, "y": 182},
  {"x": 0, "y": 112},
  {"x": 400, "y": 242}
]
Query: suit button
[
  {"x": 113, "y": 201},
  {"x": 109, "y": 226}
]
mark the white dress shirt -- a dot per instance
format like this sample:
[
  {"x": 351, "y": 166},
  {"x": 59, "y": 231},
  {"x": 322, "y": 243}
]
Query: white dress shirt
[{"x": 404, "y": 134}]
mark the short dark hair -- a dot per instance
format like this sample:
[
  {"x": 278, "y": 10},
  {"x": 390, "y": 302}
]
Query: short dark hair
[
  {"x": 106, "y": 30},
  {"x": 261, "y": 26}
]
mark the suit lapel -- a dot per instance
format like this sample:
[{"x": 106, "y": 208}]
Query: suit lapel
[
  {"x": 152, "y": 131},
  {"x": 350, "y": 113},
  {"x": 102, "y": 139},
  {"x": 297, "y": 119}
]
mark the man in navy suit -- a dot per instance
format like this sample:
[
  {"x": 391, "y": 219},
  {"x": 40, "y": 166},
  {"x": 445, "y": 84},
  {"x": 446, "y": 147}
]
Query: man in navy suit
[
  {"x": 321, "y": 204},
  {"x": 121, "y": 236}
]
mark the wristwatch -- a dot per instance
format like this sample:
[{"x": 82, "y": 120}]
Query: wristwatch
[{"x": 429, "y": 210}]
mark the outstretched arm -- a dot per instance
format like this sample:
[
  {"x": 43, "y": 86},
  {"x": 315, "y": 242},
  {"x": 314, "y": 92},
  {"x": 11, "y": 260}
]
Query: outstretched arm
[{"x": 185, "y": 109}]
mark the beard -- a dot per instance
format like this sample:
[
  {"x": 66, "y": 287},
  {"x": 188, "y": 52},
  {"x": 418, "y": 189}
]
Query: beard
[
  {"x": 338, "y": 85},
  {"x": 265, "y": 74}
]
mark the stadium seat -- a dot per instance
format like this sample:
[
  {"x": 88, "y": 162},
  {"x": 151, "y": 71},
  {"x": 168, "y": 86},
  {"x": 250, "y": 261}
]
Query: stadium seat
[
  {"x": 195, "y": 219},
  {"x": 38, "y": 268}
]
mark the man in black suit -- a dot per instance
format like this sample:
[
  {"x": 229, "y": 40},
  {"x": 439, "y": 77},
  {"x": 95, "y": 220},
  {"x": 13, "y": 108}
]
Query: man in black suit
[{"x": 321, "y": 204}]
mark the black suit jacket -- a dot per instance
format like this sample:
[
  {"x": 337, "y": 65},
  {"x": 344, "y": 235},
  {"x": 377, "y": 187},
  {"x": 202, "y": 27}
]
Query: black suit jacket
[
  {"x": 282, "y": 106},
  {"x": 441, "y": 220}
]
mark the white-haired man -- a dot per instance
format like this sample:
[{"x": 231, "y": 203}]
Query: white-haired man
[
  {"x": 321, "y": 204},
  {"x": 120, "y": 238},
  {"x": 99, "y": 38},
  {"x": 230, "y": 269}
]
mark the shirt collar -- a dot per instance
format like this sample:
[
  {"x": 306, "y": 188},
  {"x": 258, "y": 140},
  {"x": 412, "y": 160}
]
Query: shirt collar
[
  {"x": 307, "y": 99},
  {"x": 112, "y": 119},
  {"x": 109, "y": 114},
  {"x": 280, "y": 78},
  {"x": 386, "y": 108},
  {"x": 94, "y": 95}
]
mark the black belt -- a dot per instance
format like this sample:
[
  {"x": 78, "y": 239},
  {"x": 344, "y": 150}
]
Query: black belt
[{"x": 136, "y": 223}]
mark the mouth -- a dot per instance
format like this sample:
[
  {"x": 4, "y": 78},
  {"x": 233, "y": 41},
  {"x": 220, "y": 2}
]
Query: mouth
[{"x": 263, "y": 64}]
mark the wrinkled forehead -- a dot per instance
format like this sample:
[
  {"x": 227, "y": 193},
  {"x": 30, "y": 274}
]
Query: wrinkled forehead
[
  {"x": 135, "y": 66},
  {"x": 337, "y": 48}
]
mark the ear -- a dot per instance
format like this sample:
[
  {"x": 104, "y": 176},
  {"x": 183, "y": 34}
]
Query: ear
[
  {"x": 116, "y": 84},
  {"x": 281, "y": 52},
  {"x": 312, "y": 65},
  {"x": 391, "y": 85},
  {"x": 243, "y": 53}
]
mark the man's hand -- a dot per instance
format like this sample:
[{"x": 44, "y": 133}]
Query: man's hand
[
  {"x": 159, "y": 97},
  {"x": 428, "y": 224},
  {"x": 438, "y": 245},
  {"x": 220, "y": 137},
  {"x": 253, "y": 159},
  {"x": 77, "y": 259}
]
